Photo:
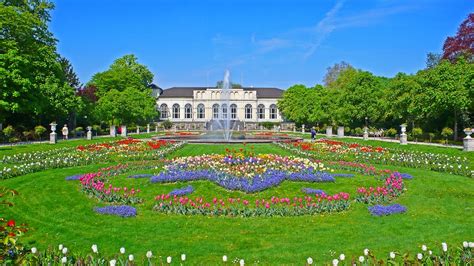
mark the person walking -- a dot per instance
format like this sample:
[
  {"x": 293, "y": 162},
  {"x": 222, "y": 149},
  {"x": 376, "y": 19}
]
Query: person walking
[
  {"x": 313, "y": 134},
  {"x": 65, "y": 132}
]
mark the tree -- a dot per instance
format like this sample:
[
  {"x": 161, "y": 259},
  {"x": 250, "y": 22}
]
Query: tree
[
  {"x": 31, "y": 78},
  {"x": 449, "y": 88},
  {"x": 69, "y": 74},
  {"x": 301, "y": 104},
  {"x": 462, "y": 43},
  {"x": 128, "y": 106},
  {"x": 433, "y": 59},
  {"x": 124, "y": 73},
  {"x": 334, "y": 72}
]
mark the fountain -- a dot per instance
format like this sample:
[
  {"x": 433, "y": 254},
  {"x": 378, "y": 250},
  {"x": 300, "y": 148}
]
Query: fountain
[{"x": 221, "y": 127}]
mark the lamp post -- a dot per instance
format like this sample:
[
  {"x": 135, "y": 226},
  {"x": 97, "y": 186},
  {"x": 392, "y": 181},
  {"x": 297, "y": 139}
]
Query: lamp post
[{"x": 53, "y": 135}]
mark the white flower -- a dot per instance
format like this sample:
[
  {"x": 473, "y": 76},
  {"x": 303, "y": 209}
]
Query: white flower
[
  {"x": 130, "y": 257},
  {"x": 445, "y": 246},
  {"x": 392, "y": 255},
  {"x": 242, "y": 262},
  {"x": 60, "y": 246},
  {"x": 430, "y": 252},
  {"x": 64, "y": 251},
  {"x": 122, "y": 250},
  {"x": 335, "y": 262},
  {"x": 419, "y": 256},
  {"x": 471, "y": 244},
  {"x": 309, "y": 260},
  {"x": 168, "y": 259},
  {"x": 424, "y": 248},
  {"x": 64, "y": 260},
  {"x": 224, "y": 258},
  {"x": 366, "y": 252},
  {"x": 183, "y": 257},
  {"x": 112, "y": 262},
  {"x": 361, "y": 259},
  {"x": 33, "y": 250},
  {"x": 94, "y": 248},
  {"x": 342, "y": 257},
  {"x": 465, "y": 244},
  {"x": 149, "y": 254}
]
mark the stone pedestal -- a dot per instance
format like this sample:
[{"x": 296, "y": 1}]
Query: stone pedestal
[
  {"x": 156, "y": 128},
  {"x": 238, "y": 127},
  {"x": 113, "y": 132},
  {"x": 468, "y": 141},
  {"x": 403, "y": 139},
  {"x": 366, "y": 133},
  {"x": 302, "y": 128},
  {"x": 294, "y": 129},
  {"x": 138, "y": 129},
  {"x": 148, "y": 128},
  {"x": 468, "y": 144},
  {"x": 329, "y": 131},
  {"x": 53, "y": 138},
  {"x": 124, "y": 131},
  {"x": 89, "y": 133},
  {"x": 403, "y": 136},
  {"x": 340, "y": 132}
]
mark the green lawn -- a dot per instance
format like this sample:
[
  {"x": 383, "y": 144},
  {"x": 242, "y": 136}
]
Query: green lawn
[{"x": 440, "y": 209}]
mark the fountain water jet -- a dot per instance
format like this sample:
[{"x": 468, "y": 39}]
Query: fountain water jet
[{"x": 223, "y": 123}]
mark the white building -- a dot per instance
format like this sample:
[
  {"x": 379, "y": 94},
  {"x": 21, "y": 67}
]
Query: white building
[{"x": 197, "y": 106}]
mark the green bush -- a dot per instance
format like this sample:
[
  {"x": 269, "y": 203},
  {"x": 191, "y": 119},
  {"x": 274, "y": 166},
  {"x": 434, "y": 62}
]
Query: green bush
[
  {"x": 268, "y": 125},
  {"x": 358, "y": 131},
  {"x": 29, "y": 134},
  {"x": 417, "y": 132},
  {"x": 9, "y": 131},
  {"x": 79, "y": 129},
  {"x": 347, "y": 130},
  {"x": 446, "y": 132},
  {"x": 391, "y": 132},
  {"x": 39, "y": 131},
  {"x": 167, "y": 124},
  {"x": 431, "y": 136},
  {"x": 97, "y": 129}
]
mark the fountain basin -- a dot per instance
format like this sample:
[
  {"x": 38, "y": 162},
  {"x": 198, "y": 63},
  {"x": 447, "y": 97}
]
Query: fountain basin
[{"x": 215, "y": 137}]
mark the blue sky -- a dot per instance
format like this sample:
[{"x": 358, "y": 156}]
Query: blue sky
[{"x": 262, "y": 42}]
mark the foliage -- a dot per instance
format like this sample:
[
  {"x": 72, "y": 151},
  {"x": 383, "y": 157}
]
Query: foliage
[
  {"x": 33, "y": 84},
  {"x": 391, "y": 132},
  {"x": 167, "y": 124},
  {"x": 333, "y": 73},
  {"x": 39, "y": 131},
  {"x": 124, "y": 73},
  {"x": 416, "y": 132},
  {"x": 461, "y": 43},
  {"x": 8, "y": 131},
  {"x": 269, "y": 125}
]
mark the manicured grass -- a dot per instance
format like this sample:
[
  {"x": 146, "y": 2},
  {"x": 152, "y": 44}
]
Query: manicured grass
[{"x": 440, "y": 209}]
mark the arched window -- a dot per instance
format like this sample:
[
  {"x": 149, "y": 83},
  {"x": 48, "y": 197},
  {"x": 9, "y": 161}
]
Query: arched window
[
  {"x": 188, "y": 111},
  {"x": 273, "y": 111},
  {"x": 164, "y": 111},
  {"x": 233, "y": 111},
  {"x": 175, "y": 111},
  {"x": 215, "y": 111},
  {"x": 248, "y": 111},
  {"x": 224, "y": 111},
  {"x": 201, "y": 111},
  {"x": 261, "y": 111}
]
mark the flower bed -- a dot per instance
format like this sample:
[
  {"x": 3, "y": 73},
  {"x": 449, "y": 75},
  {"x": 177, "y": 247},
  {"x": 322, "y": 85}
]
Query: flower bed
[
  {"x": 238, "y": 207},
  {"x": 122, "y": 211},
  {"x": 380, "y": 210},
  {"x": 329, "y": 150},
  {"x": 248, "y": 174},
  {"x": 393, "y": 187}
]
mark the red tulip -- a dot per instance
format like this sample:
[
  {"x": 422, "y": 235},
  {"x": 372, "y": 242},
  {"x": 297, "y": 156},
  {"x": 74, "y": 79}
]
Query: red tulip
[{"x": 11, "y": 223}]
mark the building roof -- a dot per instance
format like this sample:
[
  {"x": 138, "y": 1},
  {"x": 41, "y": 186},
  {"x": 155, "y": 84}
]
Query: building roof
[{"x": 187, "y": 92}]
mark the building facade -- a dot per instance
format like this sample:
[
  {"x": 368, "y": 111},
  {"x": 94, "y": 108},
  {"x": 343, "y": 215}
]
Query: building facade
[{"x": 196, "y": 107}]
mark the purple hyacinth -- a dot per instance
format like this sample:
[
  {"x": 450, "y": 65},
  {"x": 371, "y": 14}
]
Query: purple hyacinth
[
  {"x": 312, "y": 191},
  {"x": 122, "y": 211},
  {"x": 406, "y": 176},
  {"x": 74, "y": 177},
  {"x": 260, "y": 182},
  {"x": 140, "y": 176},
  {"x": 182, "y": 191},
  {"x": 380, "y": 210},
  {"x": 343, "y": 175}
]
